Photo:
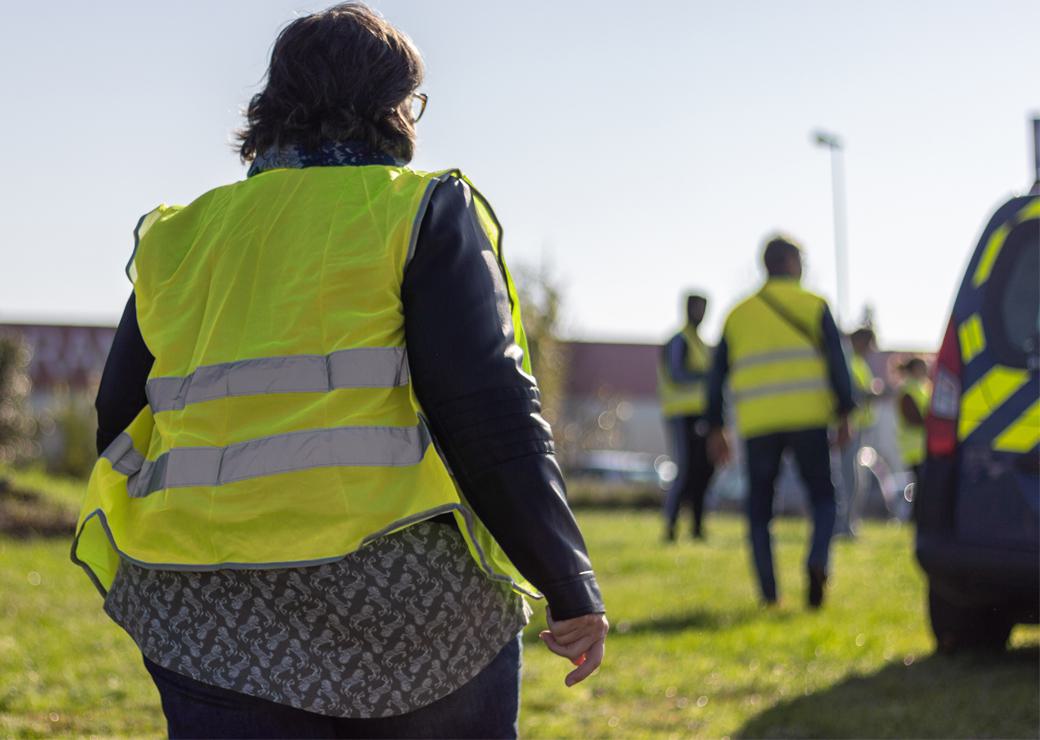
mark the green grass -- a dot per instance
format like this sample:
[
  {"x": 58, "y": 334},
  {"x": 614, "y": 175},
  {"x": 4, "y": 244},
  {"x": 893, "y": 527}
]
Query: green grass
[
  {"x": 690, "y": 653},
  {"x": 65, "y": 491}
]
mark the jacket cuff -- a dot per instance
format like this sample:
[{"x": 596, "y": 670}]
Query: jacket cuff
[{"x": 574, "y": 597}]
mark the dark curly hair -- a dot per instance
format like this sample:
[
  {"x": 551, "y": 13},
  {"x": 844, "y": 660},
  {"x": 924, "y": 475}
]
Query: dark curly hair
[{"x": 340, "y": 74}]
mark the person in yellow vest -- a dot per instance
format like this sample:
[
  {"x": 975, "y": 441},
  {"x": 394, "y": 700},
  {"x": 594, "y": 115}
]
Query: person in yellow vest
[
  {"x": 682, "y": 385},
  {"x": 324, "y": 480},
  {"x": 913, "y": 398},
  {"x": 782, "y": 357},
  {"x": 864, "y": 393}
]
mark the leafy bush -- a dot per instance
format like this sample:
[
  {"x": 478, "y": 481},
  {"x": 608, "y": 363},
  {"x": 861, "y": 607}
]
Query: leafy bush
[
  {"x": 17, "y": 425},
  {"x": 68, "y": 440},
  {"x": 541, "y": 300}
]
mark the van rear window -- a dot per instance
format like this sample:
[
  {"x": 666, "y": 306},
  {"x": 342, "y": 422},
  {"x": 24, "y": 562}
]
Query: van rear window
[{"x": 1020, "y": 295}]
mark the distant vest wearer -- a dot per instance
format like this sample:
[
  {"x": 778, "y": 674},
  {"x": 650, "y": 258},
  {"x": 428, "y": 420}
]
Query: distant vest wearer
[
  {"x": 912, "y": 439},
  {"x": 862, "y": 376},
  {"x": 679, "y": 398},
  {"x": 778, "y": 376},
  {"x": 281, "y": 427}
]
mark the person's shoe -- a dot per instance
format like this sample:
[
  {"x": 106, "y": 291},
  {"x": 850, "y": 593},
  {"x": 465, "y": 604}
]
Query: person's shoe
[
  {"x": 698, "y": 534},
  {"x": 817, "y": 584},
  {"x": 669, "y": 535}
]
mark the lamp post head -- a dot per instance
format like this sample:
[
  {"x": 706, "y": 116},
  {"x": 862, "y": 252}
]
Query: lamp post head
[{"x": 827, "y": 139}]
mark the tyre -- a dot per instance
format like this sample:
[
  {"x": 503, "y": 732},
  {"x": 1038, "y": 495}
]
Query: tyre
[{"x": 958, "y": 627}]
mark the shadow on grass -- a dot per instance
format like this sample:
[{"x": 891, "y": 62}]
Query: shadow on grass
[
  {"x": 697, "y": 619},
  {"x": 937, "y": 696},
  {"x": 694, "y": 619},
  {"x": 25, "y": 513}
]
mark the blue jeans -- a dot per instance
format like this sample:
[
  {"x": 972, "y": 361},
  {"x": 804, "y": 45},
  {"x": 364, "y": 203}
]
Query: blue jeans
[
  {"x": 812, "y": 454},
  {"x": 689, "y": 450},
  {"x": 486, "y": 707},
  {"x": 848, "y": 487}
]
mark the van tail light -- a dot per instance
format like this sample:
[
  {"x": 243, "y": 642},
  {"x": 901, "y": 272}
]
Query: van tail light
[{"x": 941, "y": 423}]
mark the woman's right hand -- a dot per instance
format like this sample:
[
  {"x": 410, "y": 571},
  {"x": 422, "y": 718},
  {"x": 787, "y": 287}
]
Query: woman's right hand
[
  {"x": 718, "y": 447},
  {"x": 581, "y": 640}
]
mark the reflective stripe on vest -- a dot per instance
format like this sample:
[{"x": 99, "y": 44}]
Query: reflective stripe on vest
[
  {"x": 778, "y": 377},
  {"x": 366, "y": 367},
  {"x": 766, "y": 358},
  {"x": 780, "y": 389},
  {"x": 281, "y": 426},
  {"x": 184, "y": 467}
]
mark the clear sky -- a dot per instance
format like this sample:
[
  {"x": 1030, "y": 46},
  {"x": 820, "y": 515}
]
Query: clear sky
[{"x": 639, "y": 149}]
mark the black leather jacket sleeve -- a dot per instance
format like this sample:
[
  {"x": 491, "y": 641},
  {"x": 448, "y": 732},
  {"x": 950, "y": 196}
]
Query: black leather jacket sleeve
[
  {"x": 121, "y": 393},
  {"x": 483, "y": 409}
]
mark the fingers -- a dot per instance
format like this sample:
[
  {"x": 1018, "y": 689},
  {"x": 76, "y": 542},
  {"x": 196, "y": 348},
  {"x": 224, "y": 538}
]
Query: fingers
[
  {"x": 720, "y": 451},
  {"x": 581, "y": 640},
  {"x": 573, "y": 650},
  {"x": 593, "y": 658},
  {"x": 568, "y": 632},
  {"x": 571, "y": 630}
]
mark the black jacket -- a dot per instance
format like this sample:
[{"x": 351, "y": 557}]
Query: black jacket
[{"x": 483, "y": 409}]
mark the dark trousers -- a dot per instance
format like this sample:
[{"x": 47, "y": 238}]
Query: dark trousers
[
  {"x": 486, "y": 707},
  {"x": 812, "y": 454},
  {"x": 689, "y": 447}
]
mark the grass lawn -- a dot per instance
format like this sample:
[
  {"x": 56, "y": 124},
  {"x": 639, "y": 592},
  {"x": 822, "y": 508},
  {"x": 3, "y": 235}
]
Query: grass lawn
[{"x": 690, "y": 653}]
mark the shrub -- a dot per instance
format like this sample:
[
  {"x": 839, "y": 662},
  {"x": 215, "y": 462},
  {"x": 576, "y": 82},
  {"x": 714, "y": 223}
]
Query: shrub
[
  {"x": 17, "y": 424},
  {"x": 68, "y": 439}
]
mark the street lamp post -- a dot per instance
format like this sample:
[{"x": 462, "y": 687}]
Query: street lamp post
[{"x": 832, "y": 142}]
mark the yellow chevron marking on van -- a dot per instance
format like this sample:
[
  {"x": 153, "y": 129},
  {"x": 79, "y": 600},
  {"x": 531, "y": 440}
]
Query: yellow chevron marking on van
[
  {"x": 1023, "y": 434},
  {"x": 973, "y": 339},
  {"x": 996, "y": 241},
  {"x": 1030, "y": 211},
  {"x": 989, "y": 254},
  {"x": 983, "y": 398}
]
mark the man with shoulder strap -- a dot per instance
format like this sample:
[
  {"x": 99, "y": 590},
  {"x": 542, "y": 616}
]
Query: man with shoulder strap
[
  {"x": 781, "y": 353},
  {"x": 682, "y": 381}
]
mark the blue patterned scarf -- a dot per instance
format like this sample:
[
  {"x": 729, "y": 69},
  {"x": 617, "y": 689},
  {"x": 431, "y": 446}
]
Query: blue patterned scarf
[{"x": 329, "y": 154}]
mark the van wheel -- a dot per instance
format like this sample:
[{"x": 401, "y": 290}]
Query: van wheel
[{"x": 958, "y": 627}]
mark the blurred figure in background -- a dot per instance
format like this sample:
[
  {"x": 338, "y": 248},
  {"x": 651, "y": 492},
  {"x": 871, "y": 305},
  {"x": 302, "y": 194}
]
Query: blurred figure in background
[
  {"x": 912, "y": 406},
  {"x": 781, "y": 352},
  {"x": 863, "y": 392},
  {"x": 682, "y": 384}
]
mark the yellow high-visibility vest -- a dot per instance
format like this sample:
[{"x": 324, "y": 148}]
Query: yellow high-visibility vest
[
  {"x": 912, "y": 439},
  {"x": 681, "y": 398},
  {"x": 778, "y": 376},
  {"x": 281, "y": 427},
  {"x": 863, "y": 378}
]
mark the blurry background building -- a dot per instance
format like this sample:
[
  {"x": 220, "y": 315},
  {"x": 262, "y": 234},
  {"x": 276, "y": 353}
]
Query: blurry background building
[
  {"x": 607, "y": 421},
  {"x": 64, "y": 368}
]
